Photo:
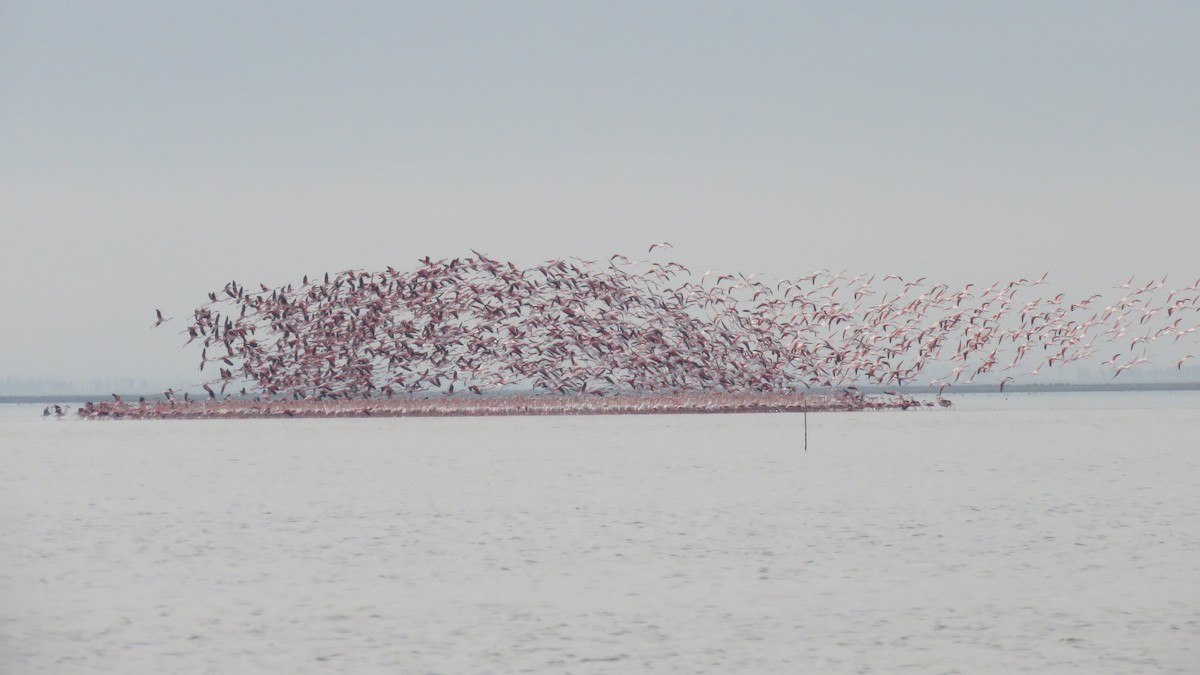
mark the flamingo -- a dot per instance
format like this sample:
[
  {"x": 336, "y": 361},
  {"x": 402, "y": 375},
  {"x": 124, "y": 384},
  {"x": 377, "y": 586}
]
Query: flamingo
[
  {"x": 473, "y": 324},
  {"x": 160, "y": 318}
]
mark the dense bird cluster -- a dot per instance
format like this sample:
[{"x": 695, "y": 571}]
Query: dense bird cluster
[
  {"x": 469, "y": 406},
  {"x": 475, "y": 324}
]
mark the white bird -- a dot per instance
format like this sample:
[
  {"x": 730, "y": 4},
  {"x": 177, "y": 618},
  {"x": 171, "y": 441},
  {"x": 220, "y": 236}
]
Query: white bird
[{"x": 661, "y": 244}]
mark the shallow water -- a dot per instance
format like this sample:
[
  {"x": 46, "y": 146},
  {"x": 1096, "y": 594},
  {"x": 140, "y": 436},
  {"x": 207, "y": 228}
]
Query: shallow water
[{"x": 1022, "y": 533}]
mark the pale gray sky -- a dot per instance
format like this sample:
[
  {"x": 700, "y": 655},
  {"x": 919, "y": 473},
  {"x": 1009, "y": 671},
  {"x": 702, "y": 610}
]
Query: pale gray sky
[{"x": 150, "y": 151}]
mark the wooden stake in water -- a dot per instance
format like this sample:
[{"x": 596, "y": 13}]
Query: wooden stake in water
[{"x": 806, "y": 431}]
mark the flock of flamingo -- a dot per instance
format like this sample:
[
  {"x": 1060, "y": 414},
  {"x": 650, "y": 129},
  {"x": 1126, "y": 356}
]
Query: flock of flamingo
[{"x": 625, "y": 336}]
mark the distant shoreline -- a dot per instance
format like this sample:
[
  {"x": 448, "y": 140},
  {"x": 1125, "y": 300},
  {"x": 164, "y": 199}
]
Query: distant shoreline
[{"x": 871, "y": 389}]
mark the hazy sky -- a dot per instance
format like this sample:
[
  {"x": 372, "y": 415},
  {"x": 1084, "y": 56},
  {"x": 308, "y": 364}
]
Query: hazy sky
[{"x": 152, "y": 151}]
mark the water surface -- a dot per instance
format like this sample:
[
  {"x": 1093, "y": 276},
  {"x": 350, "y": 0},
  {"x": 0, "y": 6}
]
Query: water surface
[{"x": 1020, "y": 533}]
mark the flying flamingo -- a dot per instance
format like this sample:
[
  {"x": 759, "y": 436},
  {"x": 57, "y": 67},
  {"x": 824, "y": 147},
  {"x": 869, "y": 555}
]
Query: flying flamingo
[
  {"x": 161, "y": 318},
  {"x": 469, "y": 325}
]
